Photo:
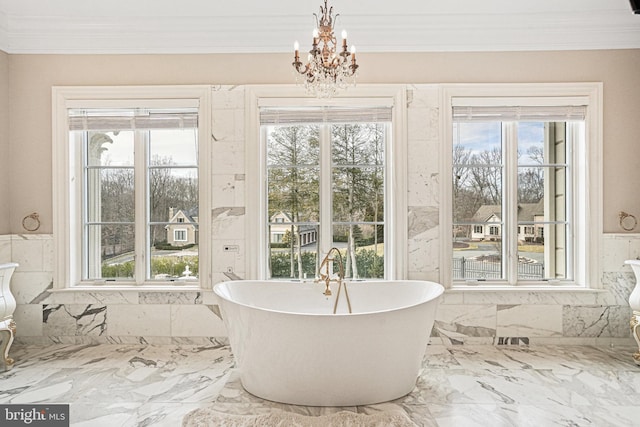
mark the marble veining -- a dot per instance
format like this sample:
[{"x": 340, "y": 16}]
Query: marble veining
[
  {"x": 471, "y": 385},
  {"x": 74, "y": 319},
  {"x": 596, "y": 321}
]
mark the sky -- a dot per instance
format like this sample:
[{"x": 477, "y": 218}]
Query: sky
[
  {"x": 481, "y": 136},
  {"x": 180, "y": 145}
]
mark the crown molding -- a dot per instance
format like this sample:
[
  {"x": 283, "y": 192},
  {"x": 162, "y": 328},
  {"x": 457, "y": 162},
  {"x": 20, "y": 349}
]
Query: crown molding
[{"x": 440, "y": 32}]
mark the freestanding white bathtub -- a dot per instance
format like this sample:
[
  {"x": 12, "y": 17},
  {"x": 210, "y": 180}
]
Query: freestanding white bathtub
[{"x": 290, "y": 347}]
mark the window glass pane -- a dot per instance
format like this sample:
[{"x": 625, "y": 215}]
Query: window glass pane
[
  {"x": 362, "y": 249},
  {"x": 174, "y": 251},
  {"x": 479, "y": 257},
  {"x": 477, "y": 170},
  {"x": 293, "y": 145},
  {"x": 358, "y": 194},
  {"x": 477, "y": 201},
  {"x": 358, "y": 144},
  {"x": 538, "y": 259},
  {"x": 173, "y": 147},
  {"x": 481, "y": 142},
  {"x": 110, "y": 148},
  {"x": 543, "y": 198},
  {"x": 294, "y": 193},
  {"x": 531, "y": 143},
  {"x": 110, "y": 195},
  {"x": 174, "y": 229},
  {"x": 109, "y": 251},
  {"x": 293, "y": 250},
  {"x": 172, "y": 190},
  {"x": 109, "y": 205}
]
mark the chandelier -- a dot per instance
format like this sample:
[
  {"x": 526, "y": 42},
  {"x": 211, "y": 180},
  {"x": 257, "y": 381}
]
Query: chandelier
[{"x": 326, "y": 70}]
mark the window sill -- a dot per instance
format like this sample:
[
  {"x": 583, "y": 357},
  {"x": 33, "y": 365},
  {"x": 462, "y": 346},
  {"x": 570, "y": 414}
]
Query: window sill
[
  {"x": 129, "y": 287},
  {"x": 522, "y": 288}
]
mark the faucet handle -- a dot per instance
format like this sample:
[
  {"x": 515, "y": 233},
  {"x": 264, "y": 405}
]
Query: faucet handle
[{"x": 327, "y": 289}]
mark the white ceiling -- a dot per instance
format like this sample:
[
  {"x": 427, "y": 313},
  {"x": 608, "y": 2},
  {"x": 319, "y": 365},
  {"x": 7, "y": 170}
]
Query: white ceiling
[{"x": 209, "y": 26}]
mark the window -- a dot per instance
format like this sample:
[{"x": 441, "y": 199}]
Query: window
[
  {"x": 519, "y": 163},
  {"x": 326, "y": 174},
  {"x": 128, "y": 170},
  {"x": 180, "y": 235},
  {"x": 332, "y": 158}
]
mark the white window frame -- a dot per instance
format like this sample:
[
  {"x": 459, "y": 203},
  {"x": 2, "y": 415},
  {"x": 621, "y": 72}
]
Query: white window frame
[
  {"x": 586, "y": 182},
  {"x": 67, "y": 177},
  {"x": 396, "y": 161}
]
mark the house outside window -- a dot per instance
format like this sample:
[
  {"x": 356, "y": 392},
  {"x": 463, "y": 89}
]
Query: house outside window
[
  {"x": 519, "y": 163},
  {"x": 127, "y": 170}
]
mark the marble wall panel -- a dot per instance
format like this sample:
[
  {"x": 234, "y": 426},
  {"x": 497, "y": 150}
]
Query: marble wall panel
[
  {"x": 225, "y": 97},
  {"x": 529, "y": 320},
  {"x": 28, "y": 318},
  {"x": 29, "y": 250},
  {"x": 170, "y": 297},
  {"x": 224, "y": 128},
  {"x": 74, "y": 319},
  {"x": 228, "y": 223},
  {"x": 196, "y": 321},
  {"x": 101, "y": 297},
  {"x": 29, "y": 287},
  {"x": 617, "y": 287},
  {"x": 596, "y": 321},
  {"x": 139, "y": 320},
  {"x": 545, "y": 297},
  {"x": 5, "y": 249},
  {"x": 456, "y": 323},
  {"x": 227, "y": 190},
  {"x": 423, "y": 181}
]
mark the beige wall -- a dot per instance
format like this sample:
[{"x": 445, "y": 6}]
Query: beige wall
[
  {"x": 32, "y": 76},
  {"x": 4, "y": 143}
]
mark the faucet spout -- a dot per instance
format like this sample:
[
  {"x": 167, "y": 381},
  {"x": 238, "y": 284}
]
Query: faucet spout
[{"x": 333, "y": 255}]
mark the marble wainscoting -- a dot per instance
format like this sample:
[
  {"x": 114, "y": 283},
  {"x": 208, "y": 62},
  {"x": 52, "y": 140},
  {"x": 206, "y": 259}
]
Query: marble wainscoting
[
  {"x": 180, "y": 317},
  {"x": 530, "y": 318}
]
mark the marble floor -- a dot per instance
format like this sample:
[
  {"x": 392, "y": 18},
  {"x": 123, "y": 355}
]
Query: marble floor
[{"x": 146, "y": 385}]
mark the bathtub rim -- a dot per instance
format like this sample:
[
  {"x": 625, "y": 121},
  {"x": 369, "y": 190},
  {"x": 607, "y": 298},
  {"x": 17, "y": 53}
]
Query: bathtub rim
[{"x": 439, "y": 294}]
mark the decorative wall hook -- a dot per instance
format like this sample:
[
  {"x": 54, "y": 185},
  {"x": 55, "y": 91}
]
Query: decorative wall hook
[{"x": 628, "y": 222}]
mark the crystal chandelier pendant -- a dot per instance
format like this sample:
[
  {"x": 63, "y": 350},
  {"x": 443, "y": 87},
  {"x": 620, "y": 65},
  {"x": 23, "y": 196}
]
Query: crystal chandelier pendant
[{"x": 327, "y": 70}]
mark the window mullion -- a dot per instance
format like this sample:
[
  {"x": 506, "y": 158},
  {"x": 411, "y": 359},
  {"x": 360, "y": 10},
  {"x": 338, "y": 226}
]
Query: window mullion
[
  {"x": 141, "y": 142},
  {"x": 510, "y": 202},
  {"x": 326, "y": 164}
]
